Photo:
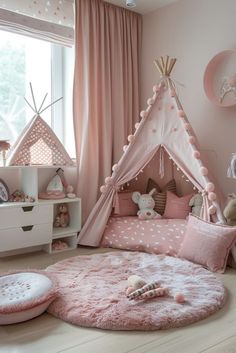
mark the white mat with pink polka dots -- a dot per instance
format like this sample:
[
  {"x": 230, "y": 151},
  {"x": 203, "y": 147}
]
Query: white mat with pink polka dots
[{"x": 159, "y": 236}]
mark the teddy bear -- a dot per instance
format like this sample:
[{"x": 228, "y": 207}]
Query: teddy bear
[
  {"x": 146, "y": 204},
  {"x": 230, "y": 210},
  {"x": 62, "y": 218},
  {"x": 196, "y": 203}
]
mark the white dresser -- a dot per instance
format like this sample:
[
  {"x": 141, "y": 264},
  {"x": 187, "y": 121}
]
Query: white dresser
[{"x": 28, "y": 226}]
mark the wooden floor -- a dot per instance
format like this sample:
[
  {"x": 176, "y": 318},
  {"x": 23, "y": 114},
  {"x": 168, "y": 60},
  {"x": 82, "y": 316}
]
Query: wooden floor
[{"x": 47, "y": 334}]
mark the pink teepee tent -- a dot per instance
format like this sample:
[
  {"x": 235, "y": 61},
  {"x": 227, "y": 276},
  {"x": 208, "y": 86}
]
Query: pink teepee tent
[
  {"x": 163, "y": 125},
  {"x": 38, "y": 144}
]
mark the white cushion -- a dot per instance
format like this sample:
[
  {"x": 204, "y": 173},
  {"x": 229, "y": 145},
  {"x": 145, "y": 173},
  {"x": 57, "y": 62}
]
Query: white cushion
[{"x": 24, "y": 296}]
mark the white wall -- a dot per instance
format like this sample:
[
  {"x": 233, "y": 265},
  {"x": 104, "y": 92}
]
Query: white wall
[{"x": 194, "y": 31}]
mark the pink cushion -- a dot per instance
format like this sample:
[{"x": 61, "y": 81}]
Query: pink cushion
[
  {"x": 159, "y": 195},
  {"x": 124, "y": 205},
  {"x": 207, "y": 244},
  {"x": 159, "y": 236},
  {"x": 177, "y": 207}
]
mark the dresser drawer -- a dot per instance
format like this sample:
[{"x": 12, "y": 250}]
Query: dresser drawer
[
  {"x": 12, "y": 217},
  {"x": 22, "y": 237}
]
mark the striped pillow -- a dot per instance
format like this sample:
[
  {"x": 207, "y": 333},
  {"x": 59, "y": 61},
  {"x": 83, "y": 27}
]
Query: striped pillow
[{"x": 160, "y": 195}]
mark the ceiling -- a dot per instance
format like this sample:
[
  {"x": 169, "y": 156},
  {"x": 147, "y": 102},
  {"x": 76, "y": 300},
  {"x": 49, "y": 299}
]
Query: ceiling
[{"x": 143, "y": 6}]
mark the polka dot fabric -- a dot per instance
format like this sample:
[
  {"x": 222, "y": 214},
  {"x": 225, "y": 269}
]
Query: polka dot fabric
[{"x": 161, "y": 236}]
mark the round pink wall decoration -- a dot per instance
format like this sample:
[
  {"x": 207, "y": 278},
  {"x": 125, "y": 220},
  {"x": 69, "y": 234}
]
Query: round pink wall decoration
[{"x": 220, "y": 79}]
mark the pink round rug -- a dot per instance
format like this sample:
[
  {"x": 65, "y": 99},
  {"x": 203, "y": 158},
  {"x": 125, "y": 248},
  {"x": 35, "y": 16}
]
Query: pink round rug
[{"x": 92, "y": 291}]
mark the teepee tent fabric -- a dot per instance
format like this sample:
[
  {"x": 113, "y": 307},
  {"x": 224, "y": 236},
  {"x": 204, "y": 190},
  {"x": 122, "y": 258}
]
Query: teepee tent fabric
[
  {"x": 163, "y": 125},
  {"x": 38, "y": 144}
]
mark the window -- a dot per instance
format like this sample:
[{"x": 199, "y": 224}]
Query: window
[{"x": 49, "y": 67}]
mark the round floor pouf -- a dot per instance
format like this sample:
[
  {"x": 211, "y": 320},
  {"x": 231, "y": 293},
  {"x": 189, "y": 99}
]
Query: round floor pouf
[
  {"x": 25, "y": 295},
  {"x": 92, "y": 291}
]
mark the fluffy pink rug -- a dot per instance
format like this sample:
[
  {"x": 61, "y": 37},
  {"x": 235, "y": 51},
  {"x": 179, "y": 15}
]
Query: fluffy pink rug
[{"x": 92, "y": 291}]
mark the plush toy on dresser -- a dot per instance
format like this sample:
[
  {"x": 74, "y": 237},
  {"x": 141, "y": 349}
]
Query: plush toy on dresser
[{"x": 62, "y": 218}]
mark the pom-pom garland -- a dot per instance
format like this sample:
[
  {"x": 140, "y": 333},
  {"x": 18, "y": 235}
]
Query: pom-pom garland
[
  {"x": 115, "y": 167},
  {"x": 191, "y": 140},
  {"x": 204, "y": 171},
  {"x": 211, "y": 196},
  {"x": 181, "y": 114},
  {"x": 150, "y": 101},
  {"x": 156, "y": 88},
  {"x": 143, "y": 114},
  {"x": 125, "y": 148},
  {"x": 187, "y": 126},
  {"x": 130, "y": 138},
  {"x": 136, "y": 125},
  {"x": 196, "y": 154},
  {"x": 103, "y": 188},
  {"x": 212, "y": 210},
  {"x": 210, "y": 187},
  {"x": 108, "y": 180}
]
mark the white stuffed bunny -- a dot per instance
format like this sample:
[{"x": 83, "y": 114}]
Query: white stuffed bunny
[
  {"x": 146, "y": 204},
  {"x": 196, "y": 203}
]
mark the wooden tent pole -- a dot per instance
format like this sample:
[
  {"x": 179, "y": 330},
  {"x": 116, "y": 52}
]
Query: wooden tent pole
[
  {"x": 166, "y": 66},
  {"x": 172, "y": 63},
  {"x": 158, "y": 66}
]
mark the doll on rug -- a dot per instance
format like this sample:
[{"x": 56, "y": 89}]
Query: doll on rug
[{"x": 139, "y": 289}]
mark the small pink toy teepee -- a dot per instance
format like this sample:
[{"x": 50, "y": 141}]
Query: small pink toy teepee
[{"x": 38, "y": 144}]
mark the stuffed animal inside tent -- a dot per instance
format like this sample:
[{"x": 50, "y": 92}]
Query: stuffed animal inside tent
[
  {"x": 146, "y": 204},
  {"x": 230, "y": 210},
  {"x": 196, "y": 204}
]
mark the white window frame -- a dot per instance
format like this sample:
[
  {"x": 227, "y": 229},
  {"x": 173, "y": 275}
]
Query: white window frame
[
  {"x": 62, "y": 67},
  {"x": 57, "y": 75}
]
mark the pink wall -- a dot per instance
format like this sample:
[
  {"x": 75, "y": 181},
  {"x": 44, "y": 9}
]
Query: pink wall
[{"x": 193, "y": 32}]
